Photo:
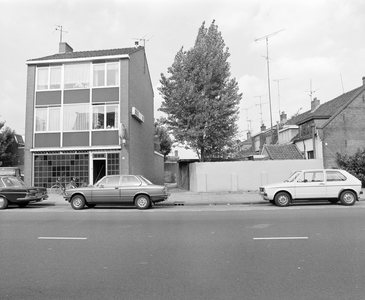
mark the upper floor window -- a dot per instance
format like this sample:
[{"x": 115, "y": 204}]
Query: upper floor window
[
  {"x": 49, "y": 78},
  {"x": 77, "y": 76},
  {"x": 76, "y": 117},
  {"x": 106, "y": 74},
  {"x": 47, "y": 119},
  {"x": 105, "y": 116}
]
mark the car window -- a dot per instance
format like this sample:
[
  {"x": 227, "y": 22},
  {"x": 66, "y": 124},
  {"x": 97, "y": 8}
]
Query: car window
[
  {"x": 312, "y": 176},
  {"x": 12, "y": 182},
  {"x": 111, "y": 181},
  {"x": 1, "y": 183},
  {"x": 335, "y": 176},
  {"x": 146, "y": 180},
  {"x": 128, "y": 180}
]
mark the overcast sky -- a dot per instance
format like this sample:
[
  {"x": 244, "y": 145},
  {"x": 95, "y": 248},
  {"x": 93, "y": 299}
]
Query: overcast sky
[{"x": 321, "y": 42}]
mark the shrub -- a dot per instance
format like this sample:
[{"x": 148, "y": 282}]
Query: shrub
[{"x": 354, "y": 164}]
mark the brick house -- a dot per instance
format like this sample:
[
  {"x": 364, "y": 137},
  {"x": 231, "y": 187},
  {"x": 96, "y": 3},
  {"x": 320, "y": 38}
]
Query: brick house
[
  {"x": 336, "y": 126},
  {"x": 90, "y": 114}
]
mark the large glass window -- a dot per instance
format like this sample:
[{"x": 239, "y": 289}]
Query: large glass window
[
  {"x": 49, "y": 78},
  {"x": 106, "y": 74},
  {"x": 77, "y": 76},
  {"x": 76, "y": 117},
  {"x": 105, "y": 116},
  {"x": 48, "y": 119}
]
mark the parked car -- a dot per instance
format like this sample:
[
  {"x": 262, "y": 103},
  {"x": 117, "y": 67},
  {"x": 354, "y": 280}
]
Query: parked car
[
  {"x": 333, "y": 185},
  {"x": 11, "y": 171},
  {"x": 116, "y": 190},
  {"x": 14, "y": 191}
]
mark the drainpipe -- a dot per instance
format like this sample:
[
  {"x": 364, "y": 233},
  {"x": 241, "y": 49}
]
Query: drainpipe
[{"x": 314, "y": 141}]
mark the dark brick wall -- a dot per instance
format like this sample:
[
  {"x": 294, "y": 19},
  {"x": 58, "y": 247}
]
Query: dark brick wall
[{"x": 345, "y": 133}]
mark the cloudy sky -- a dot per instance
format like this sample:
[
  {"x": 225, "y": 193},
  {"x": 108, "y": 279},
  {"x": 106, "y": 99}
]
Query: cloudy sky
[{"x": 320, "y": 42}]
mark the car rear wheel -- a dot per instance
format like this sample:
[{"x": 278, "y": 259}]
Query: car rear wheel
[
  {"x": 143, "y": 202},
  {"x": 78, "y": 202},
  {"x": 348, "y": 198},
  {"x": 282, "y": 199},
  {"x": 3, "y": 202}
]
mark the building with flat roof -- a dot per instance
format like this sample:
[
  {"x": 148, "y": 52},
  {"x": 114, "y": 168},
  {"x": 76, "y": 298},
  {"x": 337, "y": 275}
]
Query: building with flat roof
[{"x": 90, "y": 114}]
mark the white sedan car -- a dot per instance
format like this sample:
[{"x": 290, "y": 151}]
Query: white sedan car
[{"x": 333, "y": 185}]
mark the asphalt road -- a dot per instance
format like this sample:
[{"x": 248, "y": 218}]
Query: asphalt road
[{"x": 243, "y": 252}]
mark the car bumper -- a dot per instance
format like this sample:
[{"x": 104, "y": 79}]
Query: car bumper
[{"x": 33, "y": 198}]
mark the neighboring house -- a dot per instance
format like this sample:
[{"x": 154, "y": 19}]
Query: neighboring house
[
  {"x": 89, "y": 114},
  {"x": 336, "y": 126}
]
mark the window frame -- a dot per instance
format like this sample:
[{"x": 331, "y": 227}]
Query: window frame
[
  {"x": 105, "y": 112},
  {"x": 47, "y": 121}
]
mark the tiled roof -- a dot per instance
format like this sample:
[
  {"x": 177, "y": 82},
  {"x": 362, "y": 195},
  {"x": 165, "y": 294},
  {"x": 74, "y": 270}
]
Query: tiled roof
[
  {"x": 327, "y": 109},
  {"x": 281, "y": 152},
  {"x": 85, "y": 54}
]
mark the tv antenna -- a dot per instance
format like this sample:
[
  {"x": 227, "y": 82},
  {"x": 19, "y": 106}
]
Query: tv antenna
[
  {"x": 247, "y": 119},
  {"x": 136, "y": 43},
  {"x": 59, "y": 28},
  {"x": 266, "y": 37},
  {"x": 260, "y": 104},
  {"x": 278, "y": 81},
  {"x": 311, "y": 92}
]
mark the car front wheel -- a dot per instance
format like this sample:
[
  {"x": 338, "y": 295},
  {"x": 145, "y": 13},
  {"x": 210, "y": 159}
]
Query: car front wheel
[
  {"x": 78, "y": 202},
  {"x": 348, "y": 198},
  {"x": 143, "y": 202},
  {"x": 282, "y": 199},
  {"x": 3, "y": 202}
]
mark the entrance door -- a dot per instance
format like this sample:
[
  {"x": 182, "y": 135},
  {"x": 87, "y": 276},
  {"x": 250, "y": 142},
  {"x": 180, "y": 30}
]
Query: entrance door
[{"x": 99, "y": 166}]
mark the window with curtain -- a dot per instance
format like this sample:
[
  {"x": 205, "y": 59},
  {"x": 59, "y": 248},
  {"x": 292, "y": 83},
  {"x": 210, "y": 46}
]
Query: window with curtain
[
  {"x": 105, "y": 116},
  {"x": 40, "y": 119},
  {"x": 106, "y": 74},
  {"x": 77, "y": 76},
  {"x": 112, "y": 74},
  {"x": 42, "y": 78},
  {"x": 48, "y": 119},
  {"x": 76, "y": 117},
  {"x": 99, "y": 74},
  {"x": 49, "y": 78},
  {"x": 55, "y": 78}
]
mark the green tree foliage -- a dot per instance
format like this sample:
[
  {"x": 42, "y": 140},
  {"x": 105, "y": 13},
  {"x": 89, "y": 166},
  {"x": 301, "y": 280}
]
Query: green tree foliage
[
  {"x": 354, "y": 164},
  {"x": 164, "y": 137},
  {"x": 7, "y": 151},
  {"x": 199, "y": 98}
]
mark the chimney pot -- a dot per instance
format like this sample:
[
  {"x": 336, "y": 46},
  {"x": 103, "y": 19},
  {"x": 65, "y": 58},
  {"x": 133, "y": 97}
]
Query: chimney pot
[{"x": 363, "y": 80}]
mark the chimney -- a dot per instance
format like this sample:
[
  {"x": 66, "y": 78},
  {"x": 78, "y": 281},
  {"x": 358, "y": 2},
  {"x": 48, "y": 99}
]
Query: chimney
[
  {"x": 315, "y": 104},
  {"x": 263, "y": 127},
  {"x": 176, "y": 153},
  {"x": 64, "y": 48},
  {"x": 283, "y": 117},
  {"x": 363, "y": 80},
  {"x": 248, "y": 135}
]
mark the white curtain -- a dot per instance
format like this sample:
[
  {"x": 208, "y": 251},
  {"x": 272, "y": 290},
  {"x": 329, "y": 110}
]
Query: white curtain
[
  {"x": 77, "y": 76},
  {"x": 76, "y": 117}
]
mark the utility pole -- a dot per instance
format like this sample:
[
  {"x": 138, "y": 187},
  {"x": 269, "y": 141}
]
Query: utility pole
[
  {"x": 278, "y": 80},
  {"x": 266, "y": 37}
]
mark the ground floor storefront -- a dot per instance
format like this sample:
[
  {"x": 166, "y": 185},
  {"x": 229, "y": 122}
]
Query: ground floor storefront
[{"x": 86, "y": 166}]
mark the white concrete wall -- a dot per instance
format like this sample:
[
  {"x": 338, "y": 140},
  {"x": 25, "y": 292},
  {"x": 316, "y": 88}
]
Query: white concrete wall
[{"x": 244, "y": 175}]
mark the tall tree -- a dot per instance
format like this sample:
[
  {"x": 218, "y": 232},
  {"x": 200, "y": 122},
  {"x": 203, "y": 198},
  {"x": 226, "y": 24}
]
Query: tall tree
[
  {"x": 199, "y": 98},
  {"x": 7, "y": 153},
  {"x": 164, "y": 137}
]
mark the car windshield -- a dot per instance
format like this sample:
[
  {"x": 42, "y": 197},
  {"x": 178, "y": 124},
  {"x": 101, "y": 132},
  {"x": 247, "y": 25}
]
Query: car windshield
[
  {"x": 293, "y": 176},
  {"x": 13, "y": 182}
]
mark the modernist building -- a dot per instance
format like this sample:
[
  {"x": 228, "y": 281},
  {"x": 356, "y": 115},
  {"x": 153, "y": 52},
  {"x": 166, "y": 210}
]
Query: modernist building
[{"x": 89, "y": 114}]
